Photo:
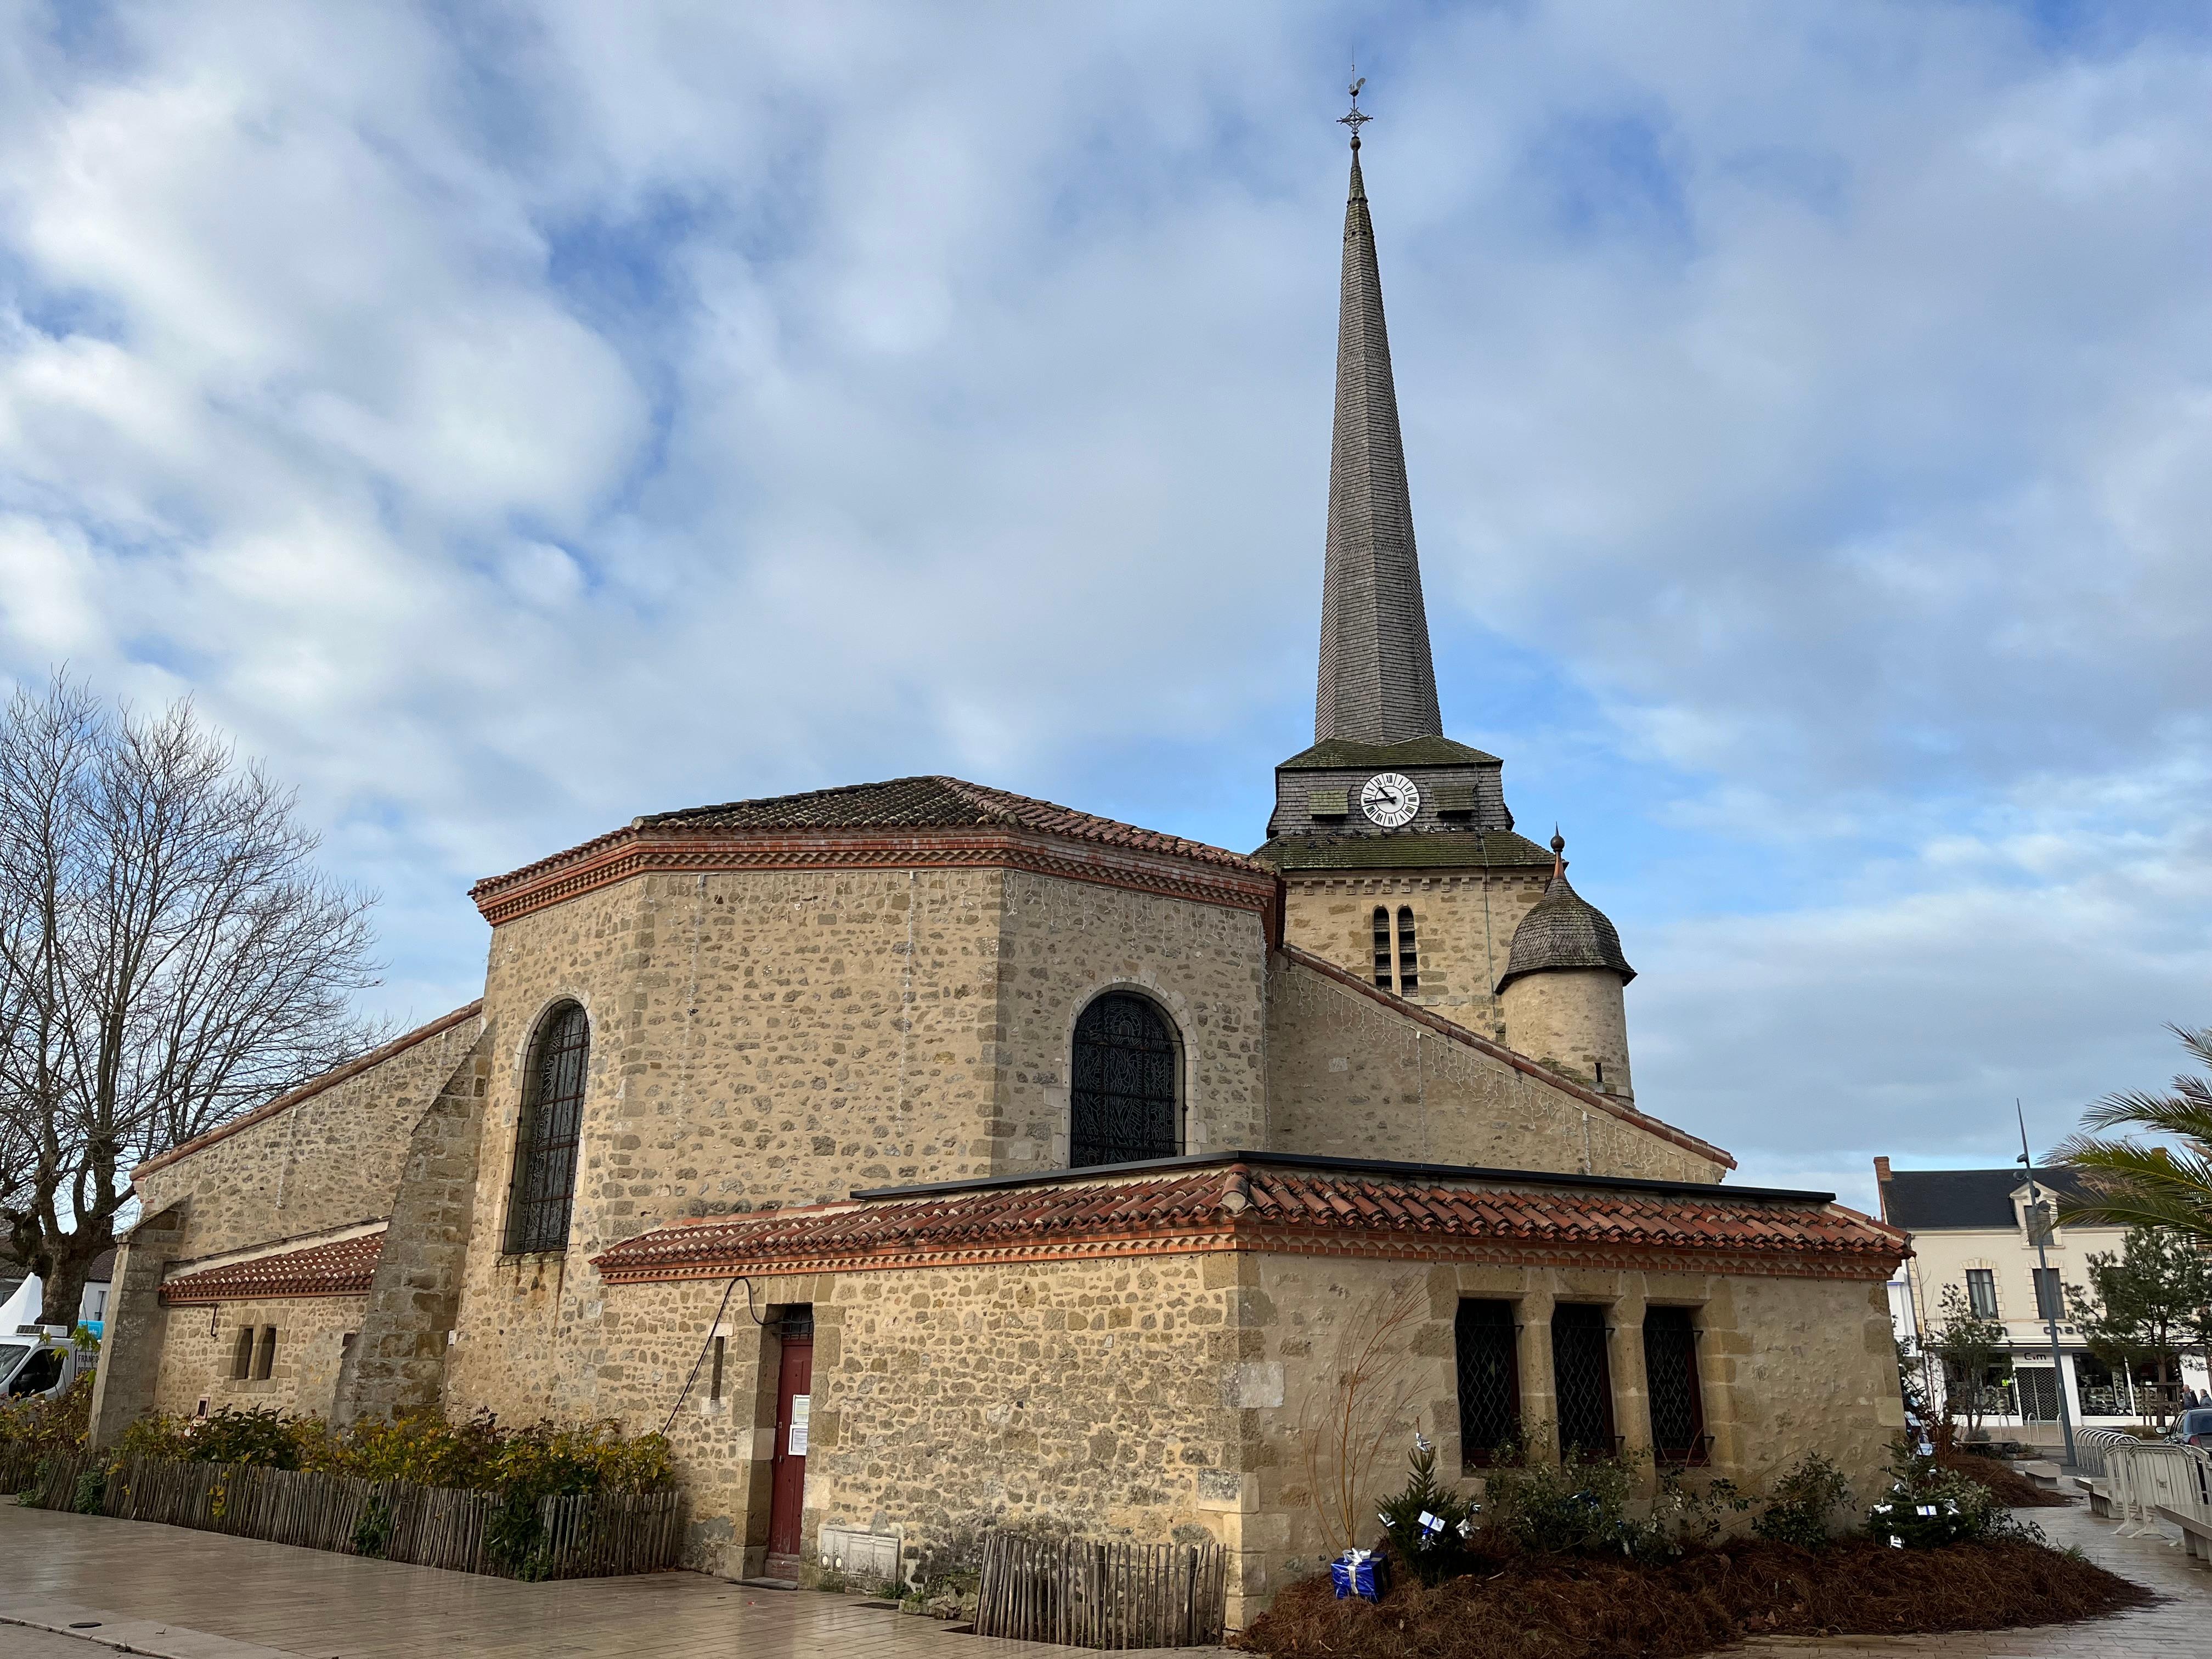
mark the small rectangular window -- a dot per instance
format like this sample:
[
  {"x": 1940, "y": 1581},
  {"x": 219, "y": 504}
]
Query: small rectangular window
[
  {"x": 714, "y": 1385},
  {"x": 265, "y": 1357},
  {"x": 1489, "y": 1382},
  {"x": 241, "y": 1357},
  {"x": 2050, "y": 1296},
  {"x": 1982, "y": 1292}
]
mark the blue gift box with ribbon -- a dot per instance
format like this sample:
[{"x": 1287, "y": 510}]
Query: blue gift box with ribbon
[{"x": 1358, "y": 1572}]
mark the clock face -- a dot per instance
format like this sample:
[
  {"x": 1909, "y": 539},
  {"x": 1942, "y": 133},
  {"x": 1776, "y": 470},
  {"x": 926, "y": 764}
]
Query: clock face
[{"x": 1389, "y": 799}]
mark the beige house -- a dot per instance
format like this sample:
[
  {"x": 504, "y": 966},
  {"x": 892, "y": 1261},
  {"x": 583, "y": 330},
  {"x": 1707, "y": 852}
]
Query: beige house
[
  {"x": 1975, "y": 1232},
  {"x": 925, "y": 1159}
]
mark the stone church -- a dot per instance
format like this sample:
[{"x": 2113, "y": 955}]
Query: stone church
[{"x": 925, "y": 1157}]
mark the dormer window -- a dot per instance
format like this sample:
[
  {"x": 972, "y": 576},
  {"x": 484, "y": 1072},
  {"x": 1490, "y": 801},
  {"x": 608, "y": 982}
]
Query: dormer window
[{"x": 2039, "y": 1222}]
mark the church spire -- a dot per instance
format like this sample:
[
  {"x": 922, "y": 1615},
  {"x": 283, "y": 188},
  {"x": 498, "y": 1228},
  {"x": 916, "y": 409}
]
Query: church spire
[{"x": 1377, "y": 682}]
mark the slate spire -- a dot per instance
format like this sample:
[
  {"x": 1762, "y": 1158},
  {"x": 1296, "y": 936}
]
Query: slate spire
[{"x": 1377, "y": 682}]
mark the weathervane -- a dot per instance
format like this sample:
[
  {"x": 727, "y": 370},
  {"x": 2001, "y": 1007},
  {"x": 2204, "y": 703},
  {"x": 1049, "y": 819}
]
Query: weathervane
[{"x": 1355, "y": 120}]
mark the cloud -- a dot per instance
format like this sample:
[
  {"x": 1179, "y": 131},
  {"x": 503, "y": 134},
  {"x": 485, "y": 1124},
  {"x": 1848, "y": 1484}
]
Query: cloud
[{"x": 509, "y": 419}]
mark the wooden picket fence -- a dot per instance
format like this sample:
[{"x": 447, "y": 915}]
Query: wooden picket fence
[
  {"x": 1096, "y": 1595},
  {"x": 598, "y": 1534}
]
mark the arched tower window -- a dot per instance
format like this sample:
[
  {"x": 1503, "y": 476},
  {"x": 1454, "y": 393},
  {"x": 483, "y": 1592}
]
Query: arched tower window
[
  {"x": 552, "y": 1121},
  {"x": 1409, "y": 961},
  {"x": 1123, "y": 1099},
  {"x": 1381, "y": 947}
]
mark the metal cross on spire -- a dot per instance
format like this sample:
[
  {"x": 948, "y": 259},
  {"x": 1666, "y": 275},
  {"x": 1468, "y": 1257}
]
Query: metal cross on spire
[{"x": 1356, "y": 120}]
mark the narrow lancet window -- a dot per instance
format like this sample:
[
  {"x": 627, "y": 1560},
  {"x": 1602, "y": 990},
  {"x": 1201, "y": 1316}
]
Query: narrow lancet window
[
  {"x": 1409, "y": 962},
  {"x": 1381, "y": 947}
]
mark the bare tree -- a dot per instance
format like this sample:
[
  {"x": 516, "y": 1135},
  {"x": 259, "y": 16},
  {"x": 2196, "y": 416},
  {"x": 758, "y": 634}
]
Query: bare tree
[
  {"x": 1357, "y": 1412},
  {"x": 169, "y": 956}
]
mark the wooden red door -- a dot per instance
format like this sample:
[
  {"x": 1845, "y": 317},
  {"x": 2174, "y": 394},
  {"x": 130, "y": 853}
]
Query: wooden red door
[{"x": 788, "y": 1490}]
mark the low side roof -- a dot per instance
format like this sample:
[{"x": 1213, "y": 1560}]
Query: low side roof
[
  {"x": 1255, "y": 1201},
  {"x": 1928, "y": 1201},
  {"x": 338, "y": 1267}
]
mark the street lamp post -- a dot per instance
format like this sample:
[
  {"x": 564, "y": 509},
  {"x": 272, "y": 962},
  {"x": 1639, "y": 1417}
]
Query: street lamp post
[{"x": 2043, "y": 1263}]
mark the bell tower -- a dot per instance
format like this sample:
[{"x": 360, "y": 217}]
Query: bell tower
[{"x": 1395, "y": 843}]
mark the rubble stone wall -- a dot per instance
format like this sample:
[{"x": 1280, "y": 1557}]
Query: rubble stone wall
[
  {"x": 197, "y": 1361},
  {"x": 1347, "y": 1076},
  {"x": 327, "y": 1161}
]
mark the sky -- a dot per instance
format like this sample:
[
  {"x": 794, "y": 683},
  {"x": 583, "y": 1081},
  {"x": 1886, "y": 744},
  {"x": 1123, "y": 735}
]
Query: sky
[{"x": 506, "y": 420}]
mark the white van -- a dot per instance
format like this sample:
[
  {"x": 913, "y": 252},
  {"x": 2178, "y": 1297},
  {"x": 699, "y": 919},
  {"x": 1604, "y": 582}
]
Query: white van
[{"x": 40, "y": 1361}]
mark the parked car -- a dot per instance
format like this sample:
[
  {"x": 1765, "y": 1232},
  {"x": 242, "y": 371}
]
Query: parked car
[
  {"x": 35, "y": 1364},
  {"x": 2192, "y": 1428}
]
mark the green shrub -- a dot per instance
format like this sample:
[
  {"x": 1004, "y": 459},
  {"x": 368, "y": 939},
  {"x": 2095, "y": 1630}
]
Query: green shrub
[
  {"x": 1803, "y": 1502},
  {"x": 92, "y": 1492},
  {"x": 543, "y": 1459},
  {"x": 47, "y": 1425},
  {"x": 1551, "y": 1507},
  {"x": 372, "y": 1534}
]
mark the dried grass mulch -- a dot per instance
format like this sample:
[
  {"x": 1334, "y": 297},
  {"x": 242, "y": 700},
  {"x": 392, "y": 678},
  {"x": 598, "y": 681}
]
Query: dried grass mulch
[
  {"x": 1532, "y": 1607},
  {"x": 2014, "y": 1490}
]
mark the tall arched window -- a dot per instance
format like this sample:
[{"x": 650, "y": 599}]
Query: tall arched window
[
  {"x": 1122, "y": 1098},
  {"x": 1381, "y": 947},
  {"x": 552, "y": 1120}
]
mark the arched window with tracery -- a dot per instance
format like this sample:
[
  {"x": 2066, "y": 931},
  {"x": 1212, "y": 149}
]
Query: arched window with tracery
[
  {"x": 1123, "y": 1100},
  {"x": 552, "y": 1123}
]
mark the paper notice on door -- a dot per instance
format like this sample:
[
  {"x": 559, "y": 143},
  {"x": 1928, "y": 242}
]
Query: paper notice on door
[{"x": 802, "y": 1406}]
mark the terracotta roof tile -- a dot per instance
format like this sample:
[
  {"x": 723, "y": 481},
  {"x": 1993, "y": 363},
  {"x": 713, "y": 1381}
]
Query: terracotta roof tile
[
  {"x": 1254, "y": 1206},
  {"x": 898, "y": 806},
  {"x": 340, "y": 1267}
]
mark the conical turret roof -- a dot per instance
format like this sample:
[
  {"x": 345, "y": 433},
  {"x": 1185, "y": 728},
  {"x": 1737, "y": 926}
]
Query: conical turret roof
[
  {"x": 1563, "y": 930},
  {"x": 1377, "y": 684}
]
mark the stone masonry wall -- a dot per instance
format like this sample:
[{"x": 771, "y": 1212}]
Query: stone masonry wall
[
  {"x": 414, "y": 1297},
  {"x": 1787, "y": 1366},
  {"x": 1095, "y": 1396},
  {"x": 1463, "y": 926},
  {"x": 1347, "y": 1076},
  {"x": 775, "y": 1038},
  {"x": 1065, "y": 942},
  {"x": 327, "y": 1161},
  {"x": 1571, "y": 1020},
  {"x": 310, "y": 1331},
  {"x": 757, "y": 1039}
]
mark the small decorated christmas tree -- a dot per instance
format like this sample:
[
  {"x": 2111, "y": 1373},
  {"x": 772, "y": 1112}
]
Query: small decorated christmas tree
[{"x": 1428, "y": 1523}]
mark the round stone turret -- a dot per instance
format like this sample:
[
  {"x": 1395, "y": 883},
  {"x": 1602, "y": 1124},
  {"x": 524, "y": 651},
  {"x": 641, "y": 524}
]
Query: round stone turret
[{"x": 1561, "y": 990}]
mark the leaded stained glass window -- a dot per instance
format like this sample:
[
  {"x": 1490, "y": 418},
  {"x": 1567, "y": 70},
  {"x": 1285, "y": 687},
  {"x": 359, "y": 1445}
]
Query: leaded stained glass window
[
  {"x": 552, "y": 1122},
  {"x": 1123, "y": 1098},
  {"x": 1489, "y": 1382},
  {"x": 1581, "y": 1380},
  {"x": 1670, "y": 1371}
]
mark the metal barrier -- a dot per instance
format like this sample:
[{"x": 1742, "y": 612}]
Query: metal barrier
[{"x": 2144, "y": 1476}]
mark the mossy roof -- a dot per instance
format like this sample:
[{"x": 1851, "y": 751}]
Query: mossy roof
[
  {"x": 1339, "y": 752},
  {"x": 1435, "y": 849}
]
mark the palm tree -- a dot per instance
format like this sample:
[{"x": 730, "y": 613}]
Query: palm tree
[{"x": 2138, "y": 1183}]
